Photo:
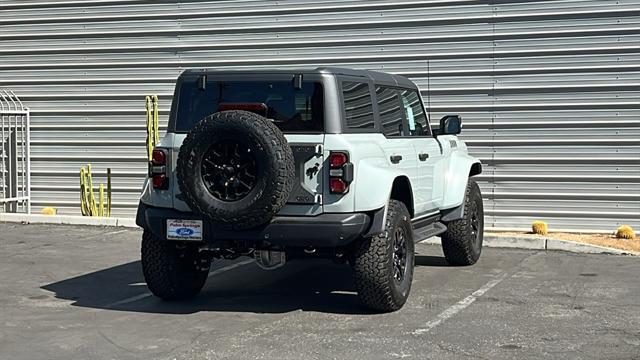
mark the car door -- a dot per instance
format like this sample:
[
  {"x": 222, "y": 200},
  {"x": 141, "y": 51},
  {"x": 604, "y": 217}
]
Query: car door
[
  {"x": 427, "y": 151},
  {"x": 399, "y": 152}
]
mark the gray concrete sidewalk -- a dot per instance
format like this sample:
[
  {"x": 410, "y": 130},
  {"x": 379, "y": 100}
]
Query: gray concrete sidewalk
[{"x": 531, "y": 242}]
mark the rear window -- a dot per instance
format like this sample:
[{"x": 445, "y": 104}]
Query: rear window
[{"x": 291, "y": 109}]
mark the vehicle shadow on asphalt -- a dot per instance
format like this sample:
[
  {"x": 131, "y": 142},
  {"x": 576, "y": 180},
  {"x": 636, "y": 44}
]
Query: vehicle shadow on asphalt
[
  {"x": 300, "y": 285},
  {"x": 431, "y": 261}
]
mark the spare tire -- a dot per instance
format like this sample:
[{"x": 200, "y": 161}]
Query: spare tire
[{"x": 236, "y": 169}]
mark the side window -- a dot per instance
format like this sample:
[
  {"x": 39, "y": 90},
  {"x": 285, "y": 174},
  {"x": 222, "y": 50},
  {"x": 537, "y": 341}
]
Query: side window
[
  {"x": 414, "y": 113},
  {"x": 390, "y": 111},
  {"x": 358, "y": 107}
]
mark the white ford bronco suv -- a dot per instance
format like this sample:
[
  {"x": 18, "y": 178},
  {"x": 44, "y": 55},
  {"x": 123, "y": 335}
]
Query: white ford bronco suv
[{"x": 293, "y": 164}]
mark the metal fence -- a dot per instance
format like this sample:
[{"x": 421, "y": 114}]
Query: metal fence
[{"x": 15, "y": 164}]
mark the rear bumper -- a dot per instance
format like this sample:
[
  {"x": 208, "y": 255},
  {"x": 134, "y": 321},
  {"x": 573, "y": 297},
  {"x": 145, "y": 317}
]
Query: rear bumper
[{"x": 325, "y": 230}]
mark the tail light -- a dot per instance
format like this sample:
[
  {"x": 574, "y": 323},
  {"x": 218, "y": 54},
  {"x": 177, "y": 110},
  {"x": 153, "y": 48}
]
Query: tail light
[
  {"x": 337, "y": 185},
  {"x": 158, "y": 169},
  {"x": 340, "y": 172},
  {"x": 338, "y": 159}
]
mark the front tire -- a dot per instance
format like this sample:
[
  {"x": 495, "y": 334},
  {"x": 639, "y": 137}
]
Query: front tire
[
  {"x": 383, "y": 264},
  {"x": 172, "y": 272},
  {"x": 462, "y": 242}
]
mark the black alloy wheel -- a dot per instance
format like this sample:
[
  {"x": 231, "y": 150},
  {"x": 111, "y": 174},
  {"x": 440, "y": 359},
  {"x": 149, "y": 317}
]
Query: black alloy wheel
[
  {"x": 475, "y": 227},
  {"x": 399, "y": 255},
  {"x": 229, "y": 170}
]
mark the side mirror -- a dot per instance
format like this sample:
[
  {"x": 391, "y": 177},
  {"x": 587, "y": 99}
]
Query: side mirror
[{"x": 450, "y": 125}]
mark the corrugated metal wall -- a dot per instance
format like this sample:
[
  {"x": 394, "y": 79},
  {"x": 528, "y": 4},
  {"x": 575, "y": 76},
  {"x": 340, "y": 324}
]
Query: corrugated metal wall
[{"x": 549, "y": 90}]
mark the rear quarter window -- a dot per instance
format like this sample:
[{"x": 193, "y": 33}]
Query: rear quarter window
[{"x": 358, "y": 106}]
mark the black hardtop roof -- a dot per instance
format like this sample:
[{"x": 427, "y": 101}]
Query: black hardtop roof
[{"x": 375, "y": 76}]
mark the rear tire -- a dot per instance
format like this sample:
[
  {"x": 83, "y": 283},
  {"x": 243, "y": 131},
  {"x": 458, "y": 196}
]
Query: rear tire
[
  {"x": 172, "y": 272},
  {"x": 462, "y": 242},
  {"x": 383, "y": 264}
]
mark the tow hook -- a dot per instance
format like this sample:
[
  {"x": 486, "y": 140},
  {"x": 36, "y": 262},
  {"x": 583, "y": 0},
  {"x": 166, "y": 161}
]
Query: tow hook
[{"x": 270, "y": 259}]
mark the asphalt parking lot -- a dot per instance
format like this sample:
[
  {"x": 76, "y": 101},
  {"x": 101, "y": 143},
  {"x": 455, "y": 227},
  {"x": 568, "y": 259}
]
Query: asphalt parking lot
[{"x": 78, "y": 293}]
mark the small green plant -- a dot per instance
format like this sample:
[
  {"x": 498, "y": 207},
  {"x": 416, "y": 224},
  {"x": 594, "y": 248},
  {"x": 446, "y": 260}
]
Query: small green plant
[
  {"x": 540, "y": 227},
  {"x": 89, "y": 206},
  {"x": 625, "y": 232}
]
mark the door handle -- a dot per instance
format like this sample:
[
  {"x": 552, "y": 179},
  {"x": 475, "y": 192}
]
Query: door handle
[
  {"x": 423, "y": 156},
  {"x": 395, "y": 158}
]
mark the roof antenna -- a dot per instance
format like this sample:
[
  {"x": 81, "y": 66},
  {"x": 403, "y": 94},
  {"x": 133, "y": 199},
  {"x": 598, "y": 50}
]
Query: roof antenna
[{"x": 428, "y": 91}]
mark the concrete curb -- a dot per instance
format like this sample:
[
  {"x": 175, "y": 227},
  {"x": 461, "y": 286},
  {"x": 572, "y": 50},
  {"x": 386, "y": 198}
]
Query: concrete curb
[
  {"x": 514, "y": 242},
  {"x": 67, "y": 220},
  {"x": 542, "y": 243}
]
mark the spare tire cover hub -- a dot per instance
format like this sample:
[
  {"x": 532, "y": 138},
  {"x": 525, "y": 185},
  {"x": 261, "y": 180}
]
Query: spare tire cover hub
[{"x": 229, "y": 170}]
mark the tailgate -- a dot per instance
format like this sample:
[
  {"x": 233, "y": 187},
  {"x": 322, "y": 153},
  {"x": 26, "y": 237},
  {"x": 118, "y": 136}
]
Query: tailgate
[
  {"x": 306, "y": 197},
  {"x": 307, "y": 187}
]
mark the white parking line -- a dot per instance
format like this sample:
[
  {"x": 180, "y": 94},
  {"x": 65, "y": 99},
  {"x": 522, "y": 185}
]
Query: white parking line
[
  {"x": 129, "y": 300},
  {"x": 105, "y": 234},
  {"x": 230, "y": 267},
  {"x": 147, "y": 294},
  {"x": 460, "y": 305}
]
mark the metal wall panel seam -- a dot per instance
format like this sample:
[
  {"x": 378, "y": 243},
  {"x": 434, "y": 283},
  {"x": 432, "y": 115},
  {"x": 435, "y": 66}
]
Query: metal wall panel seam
[
  {"x": 619, "y": 49},
  {"x": 179, "y": 14},
  {"x": 380, "y": 40},
  {"x": 328, "y": 25}
]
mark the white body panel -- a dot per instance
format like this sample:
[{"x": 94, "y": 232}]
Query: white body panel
[
  {"x": 437, "y": 183},
  {"x": 455, "y": 171},
  {"x": 373, "y": 171},
  {"x": 427, "y": 196}
]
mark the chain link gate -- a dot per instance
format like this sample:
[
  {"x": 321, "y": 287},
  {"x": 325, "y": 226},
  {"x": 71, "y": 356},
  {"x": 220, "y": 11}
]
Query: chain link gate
[{"x": 15, "y": 154}]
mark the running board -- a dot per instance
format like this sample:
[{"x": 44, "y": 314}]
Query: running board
[{"x": 427, "y": 231}]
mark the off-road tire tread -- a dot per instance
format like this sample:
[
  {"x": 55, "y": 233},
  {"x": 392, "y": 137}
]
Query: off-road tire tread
[
  {"x": 166, "y": 277},
  {"x": 456, "y": 241},
  {"x": 279, "y": 187},
  {"x": 370, "y": 265}
]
